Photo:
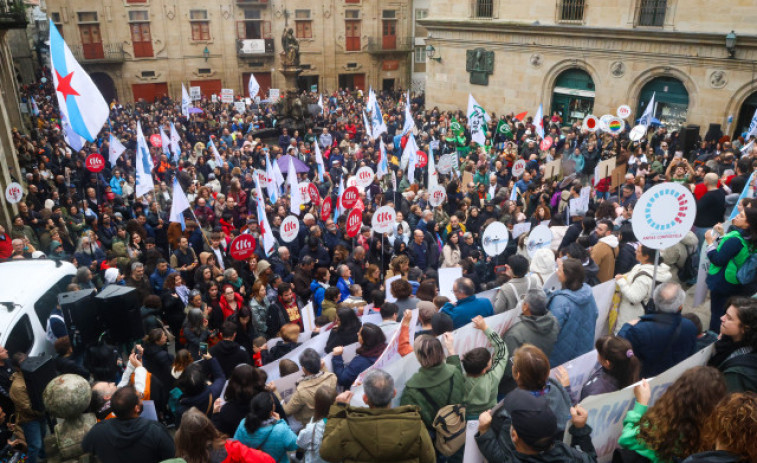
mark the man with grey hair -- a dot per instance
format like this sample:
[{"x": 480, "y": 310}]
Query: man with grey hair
[
  {"x": 351, "y": 432},
  {"x": 468, "y": 306},
  {"x": 535, "y": 325},
  {"x": 137, "y": 279},
  {"x": 663, "y": 338}
]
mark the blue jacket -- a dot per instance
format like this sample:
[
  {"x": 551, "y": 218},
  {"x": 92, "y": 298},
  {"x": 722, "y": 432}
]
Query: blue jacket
[
  {"x": 652, "y": 335},
  {"x": 319, "y": 292},
  {"x": 205, "y": 399},
  {"x": 576, "y": 313},
  {"x": 157, "y": 280},
  {"x": 466, "y": 309},
  {"x": 346, "y": 375},
  {"x": 344, "y": 288},
  {"x": 275, "y": 440}
]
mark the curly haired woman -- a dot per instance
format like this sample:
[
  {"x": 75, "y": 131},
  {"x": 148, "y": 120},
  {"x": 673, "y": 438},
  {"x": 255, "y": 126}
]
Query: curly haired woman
[{"x": 673, "y": 427}]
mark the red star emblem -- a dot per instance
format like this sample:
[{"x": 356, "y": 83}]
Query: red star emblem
[
  {"x": 64, "y": 85},
  {"x": 262, "y": 229}
]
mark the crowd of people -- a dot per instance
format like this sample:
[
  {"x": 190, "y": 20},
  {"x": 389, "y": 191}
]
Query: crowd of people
[{"x": 212, "y": 322}]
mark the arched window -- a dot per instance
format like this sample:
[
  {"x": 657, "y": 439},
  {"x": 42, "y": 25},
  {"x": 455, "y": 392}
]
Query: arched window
[
  {"x": 573, "y": 96},
  {"x": 746, "y": 113},
  {"x": 671, "y": 101}
]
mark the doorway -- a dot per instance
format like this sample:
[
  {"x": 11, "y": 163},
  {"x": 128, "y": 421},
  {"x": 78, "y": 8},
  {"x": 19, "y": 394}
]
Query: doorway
[{"x": 387, "y": 85}]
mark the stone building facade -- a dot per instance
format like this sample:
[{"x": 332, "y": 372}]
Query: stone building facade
[
  {"x": 147, "y": 48},
  {"x": 579, "y": 57}
]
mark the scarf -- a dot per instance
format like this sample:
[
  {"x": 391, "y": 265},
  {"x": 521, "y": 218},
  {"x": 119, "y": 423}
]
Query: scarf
[{"x": 375, "y": 351}]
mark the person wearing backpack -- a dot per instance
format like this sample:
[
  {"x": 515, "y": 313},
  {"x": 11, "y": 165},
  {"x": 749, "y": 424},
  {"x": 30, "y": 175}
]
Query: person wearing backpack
[
  {"x": 634, "y": 287},
  {"x": 510, "y": 295},
  {"x": 727, "y": 256},
  {"x": 682, "y": 258},
  {"x": 437, "y": 384}
]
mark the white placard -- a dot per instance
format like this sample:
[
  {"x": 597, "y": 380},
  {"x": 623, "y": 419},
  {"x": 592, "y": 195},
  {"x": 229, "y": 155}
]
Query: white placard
[
  {"x": 388, "y": 283},
  {"x": 227, "y": 95},
  {"x": 373, "y": 317},
  {"x": 624, "y": 111},
  {"x": 195, "y": 93},
  {"x": 663, "y": 215},
  {"x": 591, "y": 123},
  {"x": 494, "y": 240},
  {"x": 214, "y": 98},
  {"x": 14, "y": 192},
  {"x": 615, "y": 125},
  {"x": 446, "y": 163},
  {"x": 273, "y": 94},
  {"x": 540, "y": 237},
  {"x": 308, "y": 317},
  {"x": 447, "y": 277},
  {"x": 352, "y": 181},
  {"x": 472, "y": 454},
  {"x": 604, "y": 122},
  {"x": 437, "y": 195},
  {"x": 364, "y": 177},
  {"x": 519, "y": 167},
  {"x": 638, "y": 132},
  {"x": 521, "y": 228},
  {"x": 383, "y": 219},
  {"x": 289, "y": 229},
  {"x": 239, "y": 106}
]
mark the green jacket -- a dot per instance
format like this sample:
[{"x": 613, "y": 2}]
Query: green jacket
[
  {"x": 435, "y": 381},
  {"x": 355, "y": 434},
  {"x": 629, "y": 437},
  {"x": 481, "y": 392},
  {"x": 734, "y": 264}
]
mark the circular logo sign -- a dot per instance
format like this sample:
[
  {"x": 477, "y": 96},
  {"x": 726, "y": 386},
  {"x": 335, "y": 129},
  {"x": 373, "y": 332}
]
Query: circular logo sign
[
  {"x": 305, "y": 191},
  {"x": 519, "y": 167},
  {"x": 421, "y": 159},
  {"x": 546, "y": 143},
  {"x": 615, "y": 125},
  {"x": 437, "y": 195},
  {"x": 262, "y": 179},
  {"x": 354, "y": 222},
  {"x": 540, "y": 237},
  {"x": 289, "y": 229},
  {"x": 155, "y": 140},
  {"x": 352, "y": 181},
  {"x": 638, "y": 132},
  {"x": 624, "y": 111},
  {"x": 604, "y": 121},
  {"x": 95, "y": 163},
  {"x": 14, "y": 193},
  {"x": 591, "y": 123},
  {"x": 494, "y": 240},
  {"x": 663, "y": 215},
  {"x": 350, "y": 197},
  {"x": 326, "y": 208},
  {"x": 315, "y": 197},
  {"x": 383, "y": 219},
  {"x": 242, "y": 247},
  {"x": 364, "y": 177}
]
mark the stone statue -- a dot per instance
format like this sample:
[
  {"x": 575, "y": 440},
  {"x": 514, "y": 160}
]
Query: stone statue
[
  {"x": 291, "y": 49},
  {"x": 67, "y": 397}
]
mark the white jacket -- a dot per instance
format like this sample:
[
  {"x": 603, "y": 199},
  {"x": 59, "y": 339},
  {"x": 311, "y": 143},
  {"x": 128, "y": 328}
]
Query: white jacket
[{"x": 635, "y": 291}]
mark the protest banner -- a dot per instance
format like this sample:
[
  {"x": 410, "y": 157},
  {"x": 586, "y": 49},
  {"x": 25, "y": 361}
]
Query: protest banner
[
  {"x": 552, "y": 169},
  {"x": 471, "y": 453},
  {"x": 388, "y": 283},
  {"x": 391, "y": 353},
  {"x": 347, "y": 355},
  {"x": 578, "y": 370},
  {"x": 287, "y": 385},
  {"x": 603, "y": 297},
  {"x": 603, "y": 170}
]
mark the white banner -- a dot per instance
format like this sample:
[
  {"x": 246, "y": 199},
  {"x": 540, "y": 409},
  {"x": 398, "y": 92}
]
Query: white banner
[
  {"x": 195, "y": 93},
  {"x": 227, "y": 95}
]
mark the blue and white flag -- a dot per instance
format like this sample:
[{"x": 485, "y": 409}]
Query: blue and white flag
[
  {"x": 320, "y": 102},
  {"x": 539, "y": 122},
  {"x": 35, "y": 108},
  {"x": 295, "y": 195},
  {"x": 383, "y": 163},
  {"x": 433, "y": 179},
  {"x": 378, "y": 124},
  {"x": 367, "y": 125},
  {"x": 186, "y": 102},
  {"x": 409, "y": 123},
  {"x": 266, "y": 240},
  {"x": 253, "y": 86},
  {"x": 752, "y": 127},
  {"x": 79, "y": 100},
  {"x": 73, "y": 139},
  {"x": 277, "y": 175},
  {"x": 175, "y": 143},
  {"x": 179, "y": 204},
  {"x": 371, "y": 99},
  {"x": 270, "y": 181},
  {"x": 747, "y": 192},
  {"x": 216, "y": 155},
  {"x": 115, "y": 149},
  {"x": 165, "y": 143},
  {"x": 410, "y": 153},
  {"x": 338, "y": 208},
  {"x": 144, "y": 165},
  {"x": 646, "y": 118},
  {"x": 319, "y": 161}
]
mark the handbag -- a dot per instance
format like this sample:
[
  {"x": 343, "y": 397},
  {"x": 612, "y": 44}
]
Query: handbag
[{"x": 448, "y": 424}]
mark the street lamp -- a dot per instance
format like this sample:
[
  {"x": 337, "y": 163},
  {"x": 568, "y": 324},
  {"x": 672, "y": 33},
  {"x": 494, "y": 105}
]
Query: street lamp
[
  {"x": 206, "y": 54},
  {"x": 730, "y": 44},
  {"x": 430, "y": 52}
]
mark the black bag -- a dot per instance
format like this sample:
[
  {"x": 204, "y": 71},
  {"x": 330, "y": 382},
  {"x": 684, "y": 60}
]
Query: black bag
[{"x": 690, "y": 267}]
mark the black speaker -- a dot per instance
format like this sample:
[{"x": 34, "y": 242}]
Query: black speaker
[
  {"x": 118, "y": 308},
  {"x": 38, "y": 372},
  {"x": 80, "y": 312},
  {"x": 688, "y": 139},
  {"x": 714, "y": 133}
]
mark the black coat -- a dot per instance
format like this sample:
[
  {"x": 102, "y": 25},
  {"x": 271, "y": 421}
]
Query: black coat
[
  {"x": 158, "y": 362},
  {"x": 230, "y": 354},
  {"x": 341, "y": 337},
  {"x": 127, "y": 441}
]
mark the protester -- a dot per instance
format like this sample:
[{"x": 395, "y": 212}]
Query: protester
[
  {"x": 302, "y": 404},
  {"x": 264, "y": 430},
  {"x": 635, "y": 286},
  {"x": 468, "y": 306},
  {"x": 736, "y": 349},
  {"x": 311, "y": 436},
  {"x": 372, "y": 343}
]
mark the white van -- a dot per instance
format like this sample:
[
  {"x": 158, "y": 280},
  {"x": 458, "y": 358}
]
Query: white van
[{"x": 29, "y": 291}]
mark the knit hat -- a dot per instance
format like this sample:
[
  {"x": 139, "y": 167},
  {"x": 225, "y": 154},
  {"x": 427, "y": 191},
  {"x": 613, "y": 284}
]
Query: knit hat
[
  {"x": 262, "y": 266},
  {"x": 532, "y": 418}
]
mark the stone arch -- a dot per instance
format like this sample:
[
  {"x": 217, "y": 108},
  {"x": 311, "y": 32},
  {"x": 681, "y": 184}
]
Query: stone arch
[
  {"x": 558, "y": 68},
  {"x": 649, "y": 75},
  {"x": 106, "y": 85},
  {"x": 735, "y": 103}
]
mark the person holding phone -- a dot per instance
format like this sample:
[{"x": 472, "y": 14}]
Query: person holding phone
[{"x": 195, "y": 330}]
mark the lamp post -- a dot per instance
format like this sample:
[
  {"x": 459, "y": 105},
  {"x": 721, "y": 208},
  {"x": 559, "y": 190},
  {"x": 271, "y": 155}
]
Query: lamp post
[
  {"x": 206, "y": 54},
  {"x": 730, "y": 44},
  {"x": 430, "y": 52}
]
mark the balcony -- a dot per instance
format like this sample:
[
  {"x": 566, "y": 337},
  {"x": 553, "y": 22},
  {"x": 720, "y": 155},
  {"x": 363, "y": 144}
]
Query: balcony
[
  {"x": 390, "y": 44},
  {"x": 255, "y": 48},
  {"x": 252, "y": 2},
  {"x": 12, "y": 14},
  {"x": 103, "y": 53}
]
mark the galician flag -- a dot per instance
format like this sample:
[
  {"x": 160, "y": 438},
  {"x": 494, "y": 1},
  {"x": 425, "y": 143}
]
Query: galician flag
[
  {"x": 216, "y": 155},
  {"x": 79, "y": 100},
  {"x": 165, "y": 143},
  {"x": 646, "y": 118},
  {"x": 320, "y": 102},
  {"x": 277, "y": 175},
  {"x": 433, "y": 179},
  {"x": 367, "y": 125},
  {"x": 35, "y": 108},
  {"x": 411, "y": 157},
  {"x": 752, "y": 127},
  {"x": 747, "y": 192},
  {"x": 378, "y": 126},
  {"x": 179, "y": 204},
  {"x": 73, "y": 139},
  {"x": 175, "y": 143},
  {"x": 477, "y": 118},
  {"x": 539, "y": 122},
  {"x": 408, "y": 125},
  {"x": 186, "y": 102},
  {"x": 340, "y": 192},
  {"x": 371, "y": 99},
  {"x": 318, "y": 160},
  {"x": 115, "y": 149},
  {"x": 270, "y": 181},
  {"x": 266, "y": 235},
  {"x": 383, "y": 163},
  {"x": 295, "y": 195},
  {"x": 144, "y": 165}
]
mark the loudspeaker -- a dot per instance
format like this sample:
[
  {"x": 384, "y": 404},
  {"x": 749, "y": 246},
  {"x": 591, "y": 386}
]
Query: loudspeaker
[
  {"x": 38, "y": 372},
  {"x": 714, "y": 133},
  {"x": 80, "y": 311},
  {"x": 118, "y": 308},
  {"x": 688, "y": 138}
]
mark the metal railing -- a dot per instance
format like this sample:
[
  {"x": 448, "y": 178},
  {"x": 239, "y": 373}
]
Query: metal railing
[
  {"x": 12, "y": 14},
  {"x": 111, "y": 53},
  {"x": 387, "y": 45},
  {"x": 651, "y": 13},
  {"x": 483, "y": 9},
  {"x": 571, "y": 11}
]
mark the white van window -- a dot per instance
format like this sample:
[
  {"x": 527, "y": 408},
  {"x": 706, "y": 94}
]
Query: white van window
[
  {"x": 21, "y": 337},
  {"x": 48, "y": 301}
]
